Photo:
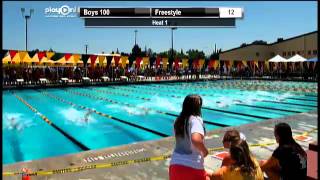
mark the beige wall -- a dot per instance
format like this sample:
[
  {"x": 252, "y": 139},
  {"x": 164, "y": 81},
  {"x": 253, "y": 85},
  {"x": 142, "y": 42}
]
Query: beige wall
[
  {"x": 304, "y": 43},
  {"x": 248, "y": 53},
  {"x": 301, "y": 44}
]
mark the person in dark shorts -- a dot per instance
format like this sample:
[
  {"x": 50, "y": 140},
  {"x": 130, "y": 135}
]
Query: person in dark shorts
[{"x": 289, "y": 160}]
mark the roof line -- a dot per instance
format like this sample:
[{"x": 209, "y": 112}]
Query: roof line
[{"x": 273, "y": 42}]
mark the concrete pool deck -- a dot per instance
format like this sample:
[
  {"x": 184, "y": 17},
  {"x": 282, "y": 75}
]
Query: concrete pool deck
[{"x": 260, "y": 132}]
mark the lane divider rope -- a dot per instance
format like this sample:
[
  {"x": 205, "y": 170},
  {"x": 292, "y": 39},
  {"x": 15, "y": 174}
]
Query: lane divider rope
[
  {"x": 43, "y": 117},
  {"x": 130, "y": 105},
  {"x": 104, "y": 114}
]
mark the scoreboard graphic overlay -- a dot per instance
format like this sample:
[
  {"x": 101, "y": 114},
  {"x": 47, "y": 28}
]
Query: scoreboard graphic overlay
[{"x": 161, "y": 17}]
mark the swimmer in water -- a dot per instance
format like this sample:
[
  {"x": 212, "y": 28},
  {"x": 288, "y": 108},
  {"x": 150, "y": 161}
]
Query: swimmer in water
[
  {"x": 87, "y": 115},
  {"x": 237, "y": 101},
  {"x": 13, "y": 123}
]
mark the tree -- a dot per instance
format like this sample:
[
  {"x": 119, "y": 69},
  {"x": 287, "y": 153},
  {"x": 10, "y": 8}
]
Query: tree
[
  {"x": 195, "y": 54},
  {"x": 243, "y": 45},
  {"x": 259, "y": 42},
  {"x": 279, "y": 39},
  {"x": 117, "y": 51},
  {"x": 135, "y": 52}
]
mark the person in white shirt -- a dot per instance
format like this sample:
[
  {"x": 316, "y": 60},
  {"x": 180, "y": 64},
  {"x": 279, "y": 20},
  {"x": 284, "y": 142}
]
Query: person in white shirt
[{"x": 187, "y": 161}]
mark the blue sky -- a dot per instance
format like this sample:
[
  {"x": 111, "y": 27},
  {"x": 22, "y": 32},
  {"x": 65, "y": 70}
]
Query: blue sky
[{"x": 262, "y": 21}]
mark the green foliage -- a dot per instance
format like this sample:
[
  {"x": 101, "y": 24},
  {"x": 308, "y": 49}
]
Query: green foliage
[{"x": 195, "y": 54}]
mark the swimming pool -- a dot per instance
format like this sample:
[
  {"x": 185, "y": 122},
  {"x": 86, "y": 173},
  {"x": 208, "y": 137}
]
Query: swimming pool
[{"x": 51, "y": 122}]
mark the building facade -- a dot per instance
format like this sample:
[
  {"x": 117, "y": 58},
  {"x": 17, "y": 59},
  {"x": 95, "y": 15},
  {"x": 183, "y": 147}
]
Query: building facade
[{"x": 305, "y": 45}]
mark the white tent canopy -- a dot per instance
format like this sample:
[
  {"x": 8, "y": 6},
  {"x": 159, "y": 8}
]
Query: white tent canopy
[
  {"x": 297, "y": 58},
  {"x": 278, "y": 58}
]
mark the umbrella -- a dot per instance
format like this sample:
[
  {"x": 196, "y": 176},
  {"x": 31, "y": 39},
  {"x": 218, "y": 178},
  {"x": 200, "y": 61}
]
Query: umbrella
[
  {"x": 278, "y": 58},
  {"x": 296, "y": 58},
  {"x": 315, "y": 59}
]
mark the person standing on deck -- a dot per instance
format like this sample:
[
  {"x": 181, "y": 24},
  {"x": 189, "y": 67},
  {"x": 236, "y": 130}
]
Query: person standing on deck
[{"x": 187, "y": 161}]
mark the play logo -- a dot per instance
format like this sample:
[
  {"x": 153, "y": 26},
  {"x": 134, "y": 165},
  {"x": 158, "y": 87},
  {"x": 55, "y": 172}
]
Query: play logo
[{"x": 63, "y": 11}]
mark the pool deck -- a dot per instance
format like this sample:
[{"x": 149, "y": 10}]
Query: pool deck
[{"x": 260, "y": 132}]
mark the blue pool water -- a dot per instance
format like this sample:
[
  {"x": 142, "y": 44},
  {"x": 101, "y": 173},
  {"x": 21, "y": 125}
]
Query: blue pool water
[{"x": 133, "y": 113}]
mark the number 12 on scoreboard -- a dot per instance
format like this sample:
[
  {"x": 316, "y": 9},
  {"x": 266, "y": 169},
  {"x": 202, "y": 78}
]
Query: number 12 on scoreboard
[{"x": 230, "y": 12}]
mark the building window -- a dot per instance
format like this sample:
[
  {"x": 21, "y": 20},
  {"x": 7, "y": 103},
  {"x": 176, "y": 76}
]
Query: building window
[
  {"x": 293, "y": 53},
  {"x": 315, "y": 52},
  {"x": 284, "y": 54},
  {"x": 289, "y": 53},
  {"x": 272, "y": 54},
  {"x": 309, "y": 52},
  {"x": 298, "y": 52},
  {"x": 257, "y": 54}
]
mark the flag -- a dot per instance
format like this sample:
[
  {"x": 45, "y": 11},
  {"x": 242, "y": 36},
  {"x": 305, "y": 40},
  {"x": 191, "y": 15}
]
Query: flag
[
  {"x": 267, "y": 64},
  {"x": 138, "y": 61},
  {"x": 164, "y": 62},
  {"x": 124, "y": 61},
  {"x": 185, "y": 62},
  {"x": 158, "y": 60},
  {"x": 101, "y": 60},
  {"x": 116, "y": 60},
  {"x": 245, "y": 63}
]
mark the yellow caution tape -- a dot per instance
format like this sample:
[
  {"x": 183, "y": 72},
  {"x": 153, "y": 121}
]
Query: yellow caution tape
[{"x": 122, "y": 163}]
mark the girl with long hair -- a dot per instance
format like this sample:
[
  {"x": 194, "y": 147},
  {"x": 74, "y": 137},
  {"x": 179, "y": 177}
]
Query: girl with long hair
[
  {"x": 243, "y": 167},
  {"x": 187, "y": 161},
  {"x": 289, "y": 160}
]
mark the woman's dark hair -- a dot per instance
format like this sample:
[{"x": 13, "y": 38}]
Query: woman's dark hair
[
  {"x": 241, "y": 155},
  {"x": 283, "y": 131},
  {"x": 232, "y": 136},
  {"x": 191, "y": 106}
]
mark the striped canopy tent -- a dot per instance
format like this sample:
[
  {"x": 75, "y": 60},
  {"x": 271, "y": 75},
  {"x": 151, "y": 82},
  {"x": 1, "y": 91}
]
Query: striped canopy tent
[
  {"x": 16, "y": 59},
  {"x": 32, "y": 60},
  {"x": 46, "y": 61},
  {"x": 6, "y": 59},
  {"x": 61, "y": 61},
  {"x": 76, "y": 58},
  {"x": 70, "y": 61},
  {"x": 49, "y": 54},
  {"x": 26, "y": 59},
  {"x": 80, "y": 63}
]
